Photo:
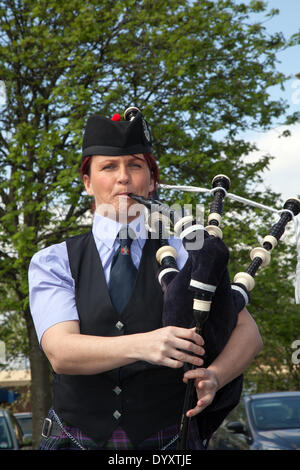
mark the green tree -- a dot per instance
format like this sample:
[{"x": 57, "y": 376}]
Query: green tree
[
  {"x": 200, "y": 71},
  {"x": 272, "y": 303}
]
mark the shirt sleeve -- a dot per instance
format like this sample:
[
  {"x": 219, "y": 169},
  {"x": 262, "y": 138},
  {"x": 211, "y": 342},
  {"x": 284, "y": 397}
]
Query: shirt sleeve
[{"x": 51, "y": 288}]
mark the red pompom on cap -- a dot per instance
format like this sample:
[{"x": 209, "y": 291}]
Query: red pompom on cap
[{"x": 116, "y": 117}]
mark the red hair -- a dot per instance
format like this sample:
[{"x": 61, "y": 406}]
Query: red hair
[
  {"x": 149, "y": 159},
  {"x": 85, "y": 166}
]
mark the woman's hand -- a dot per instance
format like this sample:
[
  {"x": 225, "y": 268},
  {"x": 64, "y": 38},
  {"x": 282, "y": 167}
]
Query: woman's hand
[
  {"x": 172, "y": 346},
  {"x": 244, "y": 343},
  {"x": 206, "y": 384}
]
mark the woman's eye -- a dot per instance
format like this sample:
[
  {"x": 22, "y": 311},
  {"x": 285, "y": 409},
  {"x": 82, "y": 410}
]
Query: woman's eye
[{"x": 111, "y": 166}]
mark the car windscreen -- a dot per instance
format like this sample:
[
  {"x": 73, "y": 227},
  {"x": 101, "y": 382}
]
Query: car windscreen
[
  {"x": 5, "y": 438},
  {"x": 25, "y": 423},
  {"x": 275, "y": 413}
]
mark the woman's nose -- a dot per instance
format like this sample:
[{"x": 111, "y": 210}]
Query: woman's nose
[{"x": 123, "y": 176}]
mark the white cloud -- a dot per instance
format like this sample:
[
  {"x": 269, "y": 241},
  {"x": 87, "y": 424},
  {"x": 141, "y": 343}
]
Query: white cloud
[{"x": 284, "y": 173}]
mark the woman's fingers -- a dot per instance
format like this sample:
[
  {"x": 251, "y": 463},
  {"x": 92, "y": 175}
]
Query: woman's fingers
[
  {"x": 173, "y": 346},
  {"x": 206, "y": 384},
  {"x": 185, "y": 346}
]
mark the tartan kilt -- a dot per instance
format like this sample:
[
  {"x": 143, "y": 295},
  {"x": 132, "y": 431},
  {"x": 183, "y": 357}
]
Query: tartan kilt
[{"x": 119, "y": 439}]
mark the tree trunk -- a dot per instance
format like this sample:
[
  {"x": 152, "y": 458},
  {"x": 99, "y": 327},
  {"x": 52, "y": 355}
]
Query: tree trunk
[{"x": 41, "y": 390}]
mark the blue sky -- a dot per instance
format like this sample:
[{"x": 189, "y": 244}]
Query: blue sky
[
  {"x": 288, "y": 22},
  {"x": 284, "y": 173}
]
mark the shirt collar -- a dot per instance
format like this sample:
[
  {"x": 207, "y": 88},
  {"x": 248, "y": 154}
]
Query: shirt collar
[{"x": 105, "y": 230}]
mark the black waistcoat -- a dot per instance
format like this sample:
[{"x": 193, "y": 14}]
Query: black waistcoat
[{"x": 141, "y": 398}]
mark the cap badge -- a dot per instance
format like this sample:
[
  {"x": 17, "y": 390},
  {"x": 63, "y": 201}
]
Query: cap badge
[{"x": 146, "y": 130}]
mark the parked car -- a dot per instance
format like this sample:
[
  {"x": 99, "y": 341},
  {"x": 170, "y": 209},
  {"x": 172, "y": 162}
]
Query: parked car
[
  {"x": 11, "y": 434},
  {"x": 25, "y": 421},
  {"x": 264, "y": 421}
]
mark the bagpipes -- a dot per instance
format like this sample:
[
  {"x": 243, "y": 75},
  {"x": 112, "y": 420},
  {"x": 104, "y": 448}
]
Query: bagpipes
[{"x": 201, "y": 293}]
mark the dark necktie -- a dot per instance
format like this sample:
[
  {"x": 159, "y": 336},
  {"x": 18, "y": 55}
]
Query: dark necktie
[{"x": 123, "y": 272}]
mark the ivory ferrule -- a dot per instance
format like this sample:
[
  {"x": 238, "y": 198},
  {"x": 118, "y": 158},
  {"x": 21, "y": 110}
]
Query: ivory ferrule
[
  {"x": 270, "y": 239},
  {"x": 215, "y": 216},
  {"x": 202, "y": 305},
  {"x": 245, "y": 279},
  {"x": 214, "y": 230},
  {"x": 261, "y": 253},
  {"x": 221, "y": 176},
  {"x": 165, "y": 251}
]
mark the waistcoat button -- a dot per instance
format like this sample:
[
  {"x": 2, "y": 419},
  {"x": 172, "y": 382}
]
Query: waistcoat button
[
  {"x": 116, "y": 414},
  {"x": 119, "y": 325}
]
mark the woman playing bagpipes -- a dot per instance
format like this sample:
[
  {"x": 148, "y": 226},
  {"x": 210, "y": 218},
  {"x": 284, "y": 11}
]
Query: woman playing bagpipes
[{"x": 119, "y": 374}]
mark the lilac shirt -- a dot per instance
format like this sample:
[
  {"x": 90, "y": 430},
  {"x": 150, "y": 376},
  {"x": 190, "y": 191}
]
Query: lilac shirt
[{"x": 51, "y": 286}]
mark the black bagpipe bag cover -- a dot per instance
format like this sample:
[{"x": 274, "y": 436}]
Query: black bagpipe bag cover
[{"x": 208, "y": 265}]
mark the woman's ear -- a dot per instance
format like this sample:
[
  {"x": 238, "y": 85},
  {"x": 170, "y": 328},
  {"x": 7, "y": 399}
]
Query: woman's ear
[
  {"x": 152, "y": 186},
  {"x": 87, "y": 185}
]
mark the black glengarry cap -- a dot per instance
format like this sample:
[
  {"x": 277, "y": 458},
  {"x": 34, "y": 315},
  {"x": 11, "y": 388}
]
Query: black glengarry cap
[{"x": 104, "y": 136}]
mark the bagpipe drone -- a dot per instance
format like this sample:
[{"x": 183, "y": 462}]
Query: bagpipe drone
[{"x": 201, "y": 293}]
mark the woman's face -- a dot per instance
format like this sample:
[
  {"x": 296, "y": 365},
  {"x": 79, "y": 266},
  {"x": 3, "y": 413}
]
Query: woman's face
[{"x": 112, "y": 178}]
